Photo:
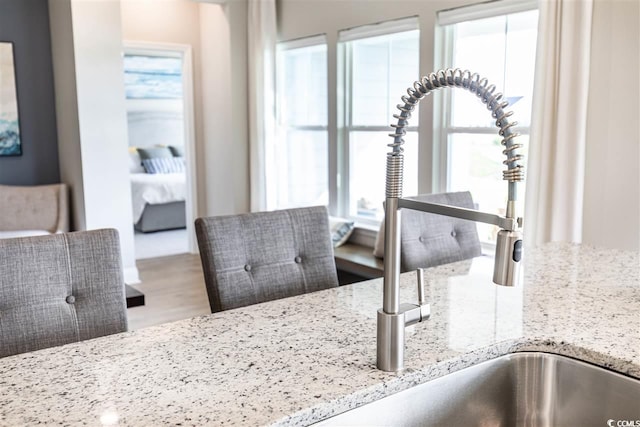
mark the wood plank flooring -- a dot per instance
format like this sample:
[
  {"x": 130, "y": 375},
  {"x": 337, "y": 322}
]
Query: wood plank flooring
[{"x": 174, "y": 290}]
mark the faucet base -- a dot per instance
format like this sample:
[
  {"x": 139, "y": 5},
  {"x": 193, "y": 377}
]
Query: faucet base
[
  {"x": 391, "y": 334},
  {"x": 390, "y": 355}
]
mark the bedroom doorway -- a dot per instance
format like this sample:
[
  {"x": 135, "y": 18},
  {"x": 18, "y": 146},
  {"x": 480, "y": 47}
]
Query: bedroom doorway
[{"x": 159, "y": 100}]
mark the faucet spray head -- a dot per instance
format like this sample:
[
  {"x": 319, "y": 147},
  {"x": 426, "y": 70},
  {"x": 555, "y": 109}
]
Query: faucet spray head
[{"x": 508, "y": 258}]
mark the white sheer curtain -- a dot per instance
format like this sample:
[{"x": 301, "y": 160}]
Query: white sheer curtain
[
  {"x": 555, "y": 177},
  {"x": 262, "y": 48}
]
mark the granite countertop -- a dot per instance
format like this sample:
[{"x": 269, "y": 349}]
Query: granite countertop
[{"x": 299, "y": 360}]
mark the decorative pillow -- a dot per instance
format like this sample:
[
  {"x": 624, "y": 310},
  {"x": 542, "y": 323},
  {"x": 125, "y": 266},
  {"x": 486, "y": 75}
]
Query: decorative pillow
[
  {"x": 163, "y": 165},
  {"x": 177, "y": 151},
  {"x": 341, "y": 229},
  {"x": 154, "y": 152}
]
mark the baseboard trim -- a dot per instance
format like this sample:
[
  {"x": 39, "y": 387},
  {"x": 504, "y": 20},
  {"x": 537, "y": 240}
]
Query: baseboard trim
[{"x": 131, "y": 275}]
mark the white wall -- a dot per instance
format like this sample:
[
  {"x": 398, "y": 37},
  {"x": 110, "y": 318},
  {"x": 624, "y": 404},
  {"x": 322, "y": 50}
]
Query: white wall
[
  {"x": 612, "y": 181},
  {"x": 91, "y": 112},
  {"x": 217, "y": 35},
  {"x": 216, "y": 64},
  {"x": 223, "y": 33}
]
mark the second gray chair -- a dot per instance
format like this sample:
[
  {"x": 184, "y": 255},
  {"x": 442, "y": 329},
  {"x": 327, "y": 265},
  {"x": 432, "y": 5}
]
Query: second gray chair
[
  {"x": 429, "y": 239},
  {"x": 258, "y": 257},
  {"x": 60, "y": 289}
]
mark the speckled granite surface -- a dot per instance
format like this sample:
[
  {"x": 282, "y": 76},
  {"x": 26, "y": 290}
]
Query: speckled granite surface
[{"x": 300, "y": 360}]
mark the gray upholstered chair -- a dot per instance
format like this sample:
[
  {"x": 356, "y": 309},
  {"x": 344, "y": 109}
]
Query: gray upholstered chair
[
  {"x": 257, "y": 257},
  {"x": 428, "y": 240},
  {"x": 59, "y": 289}
]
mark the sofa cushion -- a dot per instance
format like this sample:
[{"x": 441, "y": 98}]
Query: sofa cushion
[
  {"x": 22, "y": 233},
  {"x": 40, "y": 207}
]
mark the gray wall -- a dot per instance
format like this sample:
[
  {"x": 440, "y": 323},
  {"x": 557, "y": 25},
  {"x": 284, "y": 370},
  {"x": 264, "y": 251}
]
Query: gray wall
[{"x": 26, "y": 24}]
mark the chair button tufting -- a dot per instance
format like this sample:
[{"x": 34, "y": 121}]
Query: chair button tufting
[
  {"x": 421, "y": 239},
  {"x": 70, "y": 299},
  {"x": 247, "y": 267},
  {"x": 298, "y": 260},
  {"x": 453, "y": 233}
]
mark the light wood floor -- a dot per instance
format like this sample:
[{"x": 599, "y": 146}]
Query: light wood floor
[{"x": 174, "y": 289}]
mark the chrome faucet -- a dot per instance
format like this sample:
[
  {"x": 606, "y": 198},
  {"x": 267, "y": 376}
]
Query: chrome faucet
[{"x": 393, "y": 317}]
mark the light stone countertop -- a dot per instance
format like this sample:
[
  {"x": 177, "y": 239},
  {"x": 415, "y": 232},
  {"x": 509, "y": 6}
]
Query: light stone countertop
[{"x": 299, "y": 360}]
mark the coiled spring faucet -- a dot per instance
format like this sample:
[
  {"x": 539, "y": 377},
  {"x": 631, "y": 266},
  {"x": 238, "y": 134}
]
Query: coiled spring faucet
[{"x": 394, "y": 317}]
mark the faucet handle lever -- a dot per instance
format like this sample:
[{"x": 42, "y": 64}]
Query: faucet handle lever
[{"x": 422, "y": 300}]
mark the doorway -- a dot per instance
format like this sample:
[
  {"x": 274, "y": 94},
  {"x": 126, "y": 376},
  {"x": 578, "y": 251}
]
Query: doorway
[{"x": 160, "y": 115}]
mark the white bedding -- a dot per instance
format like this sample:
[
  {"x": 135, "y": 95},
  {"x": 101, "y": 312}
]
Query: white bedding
[{"x": 156, "y": 189}]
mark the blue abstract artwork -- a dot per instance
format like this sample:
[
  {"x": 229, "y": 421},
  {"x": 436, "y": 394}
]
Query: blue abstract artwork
[
  {"x": 10, "y": 144},
  {"x": 152, "y": 77}
]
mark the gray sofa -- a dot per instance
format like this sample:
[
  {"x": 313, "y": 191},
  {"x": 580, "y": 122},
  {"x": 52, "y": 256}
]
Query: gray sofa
[{"x": 33, "y": 210}]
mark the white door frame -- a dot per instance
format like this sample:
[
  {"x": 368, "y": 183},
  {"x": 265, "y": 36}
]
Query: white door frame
[{"x": 185, "y": 52}]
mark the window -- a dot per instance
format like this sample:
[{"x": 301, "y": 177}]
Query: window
[
  {"x": 297, "y": 167},
  {"x": 378, "y": 62},
  {"x": 502, "y": 49}
]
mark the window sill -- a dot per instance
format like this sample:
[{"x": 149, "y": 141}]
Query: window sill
[{"x": 364, "y": 235}]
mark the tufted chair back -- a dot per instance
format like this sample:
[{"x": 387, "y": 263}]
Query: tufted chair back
[
  {"x": 429, "y": 240},
  {"x": 257, "y": 257},
  {"x": 59, "y": 289}
]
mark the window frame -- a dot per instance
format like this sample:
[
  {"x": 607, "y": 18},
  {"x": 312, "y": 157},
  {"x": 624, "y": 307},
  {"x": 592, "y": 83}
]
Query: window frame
[
  {"x": 443, "y": 127},
  {"x": 345, "y": 108},
  {"x": 282, "y": 126}
]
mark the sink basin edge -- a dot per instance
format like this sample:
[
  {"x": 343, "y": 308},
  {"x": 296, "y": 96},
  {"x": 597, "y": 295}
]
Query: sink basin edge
[{"x": 394, "y": 383}]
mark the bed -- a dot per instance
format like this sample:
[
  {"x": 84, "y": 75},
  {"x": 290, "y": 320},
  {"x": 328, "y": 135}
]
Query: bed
[
  {"x": 158, "y": 201},
  {"x": 158, "y": 191}
]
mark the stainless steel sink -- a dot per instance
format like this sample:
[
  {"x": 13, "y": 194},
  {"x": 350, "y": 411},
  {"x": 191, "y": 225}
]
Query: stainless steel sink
[{"x": 521, "y": 389}]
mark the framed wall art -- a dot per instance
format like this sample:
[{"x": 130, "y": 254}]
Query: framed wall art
[{"x": 10, "y": 143}]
